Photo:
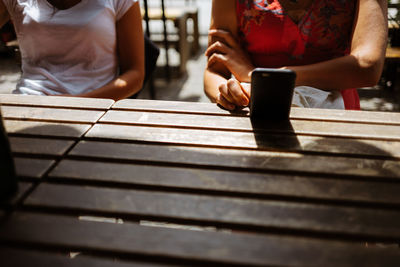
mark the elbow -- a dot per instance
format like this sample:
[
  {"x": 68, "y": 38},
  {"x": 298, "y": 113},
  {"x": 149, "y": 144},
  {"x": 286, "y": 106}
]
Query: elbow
[
  {"x": 370, "y": 70},
  {"x": 138, "y": 76}
]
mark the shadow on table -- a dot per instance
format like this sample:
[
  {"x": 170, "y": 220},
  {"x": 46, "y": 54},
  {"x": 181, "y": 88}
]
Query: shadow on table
[
  {"x": 51, "y": 131},
  {"x": 44, "y": 141},
  {"x": 336, "y": 155},
  {"x": 280, "y": 135}
]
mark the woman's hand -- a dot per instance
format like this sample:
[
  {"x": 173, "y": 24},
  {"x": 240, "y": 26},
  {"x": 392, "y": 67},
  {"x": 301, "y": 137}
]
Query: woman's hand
[
  {"x": 230, "y": 54},
  {"x": 233, "y": 94}
]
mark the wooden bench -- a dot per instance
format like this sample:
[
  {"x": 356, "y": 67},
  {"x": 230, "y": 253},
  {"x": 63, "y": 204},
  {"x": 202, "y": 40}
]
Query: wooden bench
[{"x": 180, "y": 41}]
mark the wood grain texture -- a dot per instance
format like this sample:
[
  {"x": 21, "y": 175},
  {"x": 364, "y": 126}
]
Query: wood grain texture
[
  {"x": 323, "y": 128},
  {"x": 190, "y": 246},
  {"x": 13, "y": 257},
  {"x": 51, "y": 114},
  {"x": 172, "y": 106},
  {"x": 293, "y": 163},
  {"x": 55, "y": 101},
  {"x": 39, "y": 146},
  {"x": 32, "y": 168},
  {"x": 220, "y": 210},
  {"x": 222, "y": 138},
  {"x": 23, "y": 188},
  {"x": 52, "y": 129},
  {"x": 255, "y": 140},
  {"x": 228, "y": 182},
  {"x": 296, "y": 113}
]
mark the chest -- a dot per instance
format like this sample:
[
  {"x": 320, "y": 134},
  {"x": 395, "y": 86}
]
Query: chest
[
  {"x": 295, "y": 33},
  {"x": 296, "y": 9}
]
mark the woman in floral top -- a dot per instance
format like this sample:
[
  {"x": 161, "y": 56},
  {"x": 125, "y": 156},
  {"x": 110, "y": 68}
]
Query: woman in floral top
[{"x": 332, "y": 45}]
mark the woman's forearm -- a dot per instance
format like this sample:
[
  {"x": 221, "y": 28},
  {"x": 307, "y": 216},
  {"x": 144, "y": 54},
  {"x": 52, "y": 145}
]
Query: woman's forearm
[
  {"x": 127, "y": 84},
  {"x": 363, "y": 67},
  {"x": 340, "y": 73}
]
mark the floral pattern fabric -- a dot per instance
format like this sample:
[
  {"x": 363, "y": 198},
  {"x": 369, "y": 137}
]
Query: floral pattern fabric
[{"x": 273, "y": 39}]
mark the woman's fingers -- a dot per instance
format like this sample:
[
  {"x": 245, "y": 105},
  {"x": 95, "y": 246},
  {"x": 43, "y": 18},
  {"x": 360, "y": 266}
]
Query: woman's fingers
[
  {"x": 217, "y": 58},
  {"x": 226, "y": 36},
  {"x": 224, "y": 103},
  {"x": 233, "y": 93},
  {"x": 217, "y": 47},
  {"x": 246, "y": 87},
  {"x": 224, "y": 91},
  {"x": 237, "y": 93}
]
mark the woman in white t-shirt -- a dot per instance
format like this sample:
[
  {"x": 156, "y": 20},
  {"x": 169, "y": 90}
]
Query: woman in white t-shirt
[{"x": 86, "y": 48}]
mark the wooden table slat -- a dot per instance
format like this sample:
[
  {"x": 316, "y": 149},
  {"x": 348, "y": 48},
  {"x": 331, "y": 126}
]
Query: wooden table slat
[
  {"x": 229, "y": 158},
  {"x": 55, "y": 101},
  {"x": 13, "y": 257},
  {"x": 32, "y": 168},
  {"x": 228, "y": 182},
  {"x": 34, "y": 128},
  {"x": 248, "y": 138},
  {"x": 217, "y": 138},
  {"x": 191, "y": 246},
  {"x": 220, "y": 210},
  {"x": 244, "y": 124},
  {"x": 23, "y": 188},
  {"x": 51, "y": 114},
  {"x": 39, "y": 146},
  {"x": 296, "y": 113}
]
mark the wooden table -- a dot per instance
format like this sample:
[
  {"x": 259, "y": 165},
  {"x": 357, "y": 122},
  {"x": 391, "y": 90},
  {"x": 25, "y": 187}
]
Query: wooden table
[{"x": 150, "y": 183}]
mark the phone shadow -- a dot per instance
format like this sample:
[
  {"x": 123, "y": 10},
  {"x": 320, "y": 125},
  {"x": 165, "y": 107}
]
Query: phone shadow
[{"x": 273, "y": 134}]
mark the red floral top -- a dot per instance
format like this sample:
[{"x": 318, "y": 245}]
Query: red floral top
[{"x": 273, "y": 39}]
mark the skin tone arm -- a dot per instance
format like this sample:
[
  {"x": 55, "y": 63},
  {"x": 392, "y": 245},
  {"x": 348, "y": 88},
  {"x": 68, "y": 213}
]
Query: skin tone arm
[
  {"x": 131, "y": 58},
  {"x": 362, "y": 67},
  {"x": 217, "y": 75}
]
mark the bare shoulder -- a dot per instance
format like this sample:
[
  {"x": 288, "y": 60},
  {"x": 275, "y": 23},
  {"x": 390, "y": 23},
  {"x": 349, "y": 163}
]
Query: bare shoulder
[{"x": 223, "y": 15}]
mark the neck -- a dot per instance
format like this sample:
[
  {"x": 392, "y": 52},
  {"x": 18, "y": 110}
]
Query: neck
[{"x": 63, "y": 4}]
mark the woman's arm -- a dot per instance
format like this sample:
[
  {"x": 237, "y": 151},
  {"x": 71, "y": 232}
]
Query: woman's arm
[
  {"x": 217, "y": 73},
  {"x": 4, "y": 16},
  {"x": 364, "y": 65},
  {"x": 130, "y": 46}
]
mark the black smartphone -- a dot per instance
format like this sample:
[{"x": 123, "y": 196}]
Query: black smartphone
[{"x": 271, "y": 93}]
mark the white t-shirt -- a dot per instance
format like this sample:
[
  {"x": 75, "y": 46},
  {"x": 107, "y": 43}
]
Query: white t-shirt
[{"x": 70, "y": 51}]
